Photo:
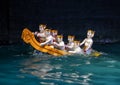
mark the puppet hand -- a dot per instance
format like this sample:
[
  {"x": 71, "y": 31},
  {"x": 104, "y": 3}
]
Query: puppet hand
[
  {"x": 41, "y": 44},
  {"x": 36, "y": 33},
  {"x": 54, "y": 43}
]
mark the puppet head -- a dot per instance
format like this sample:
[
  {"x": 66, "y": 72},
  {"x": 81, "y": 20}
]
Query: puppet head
[
  {"x": 59, "y": 38},
  {"x": 47, "y": 32},
  {"x": 90, "y": 33},
  {"x": 76, "y": 43},
  {"x": 42, "y": 27},
  {"x": 71, "y": 38},
  {"x": 54, "y": 32}
]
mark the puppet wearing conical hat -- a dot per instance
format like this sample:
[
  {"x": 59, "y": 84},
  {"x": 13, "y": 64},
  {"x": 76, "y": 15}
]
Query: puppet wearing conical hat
[
  {"x": 60, "y": 43},
  {"x": 70, "y": 44},
  {"x": 88, "y": 42},
  {"x": 76, "y": 48},
  {"x": 54, "y": 33},
  {"x": 41, "y": 34},
  {"x": 49, "y": 38}
]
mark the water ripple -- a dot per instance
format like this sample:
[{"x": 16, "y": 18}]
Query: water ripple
[{"x": 68, "y": 70}]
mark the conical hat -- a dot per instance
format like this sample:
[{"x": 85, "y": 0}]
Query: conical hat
[
  {"x": 71, "y": 37},
  {"x": 60, "y": 36}
]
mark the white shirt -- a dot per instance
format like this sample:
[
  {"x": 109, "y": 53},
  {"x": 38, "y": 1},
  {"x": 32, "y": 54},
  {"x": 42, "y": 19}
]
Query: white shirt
[
  {"x": 41, "y": 35},
  {"x": 60, "y": 45},
  {"x": 77, "y": 50},
  {"x": 49, "y": 40},
  {"x": 70, "y": 45}
]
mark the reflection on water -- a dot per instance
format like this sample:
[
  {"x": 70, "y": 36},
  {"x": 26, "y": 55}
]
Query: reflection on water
[
  {"x": 71, "y": 69},
  {"x": 34, "y": 66},
  {"x": 62, "y": 69},
  {"x": 55, "y": 69}
]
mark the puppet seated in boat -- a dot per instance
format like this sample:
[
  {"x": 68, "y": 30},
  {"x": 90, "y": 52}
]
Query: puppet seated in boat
[
  {"x": 48, "y": 38},
  {"x": 60, "y": 43},
  {"x": 70, "y": 44},
  {"x": 40, "y": 36},
  {"x": 88, "y": 42},
  {"x": 54, "y": 33},
  {"x": 76, "y": 48}
]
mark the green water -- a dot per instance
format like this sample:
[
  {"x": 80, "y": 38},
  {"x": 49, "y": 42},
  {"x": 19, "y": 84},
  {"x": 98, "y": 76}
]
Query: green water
[{"x": 19, "y": 66}]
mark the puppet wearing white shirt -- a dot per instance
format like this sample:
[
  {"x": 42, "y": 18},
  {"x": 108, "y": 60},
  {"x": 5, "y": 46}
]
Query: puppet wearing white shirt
[
  {"x": 76, "y": 48},
  {"x": 88, "y": 42},
  {"x": 70, "y": 44},
  {"x": 60, "y": 43},
  {"x": 54, "y": 33},
  {"x": 49, "y": 38},
  {"x": 41, "y": 34}
]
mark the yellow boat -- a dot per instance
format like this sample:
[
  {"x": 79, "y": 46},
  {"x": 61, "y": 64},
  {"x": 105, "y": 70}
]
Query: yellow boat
[{"x": 29, "y": 38}]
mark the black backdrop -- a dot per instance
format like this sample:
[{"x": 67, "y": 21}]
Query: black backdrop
[{"x": 68, "y": 16}]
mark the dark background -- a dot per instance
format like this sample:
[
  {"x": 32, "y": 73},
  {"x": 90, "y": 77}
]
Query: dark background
[{"x": 68, "y": 16}]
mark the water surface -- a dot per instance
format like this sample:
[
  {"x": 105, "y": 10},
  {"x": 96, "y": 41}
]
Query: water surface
[{"x": 19, "y": 66}]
